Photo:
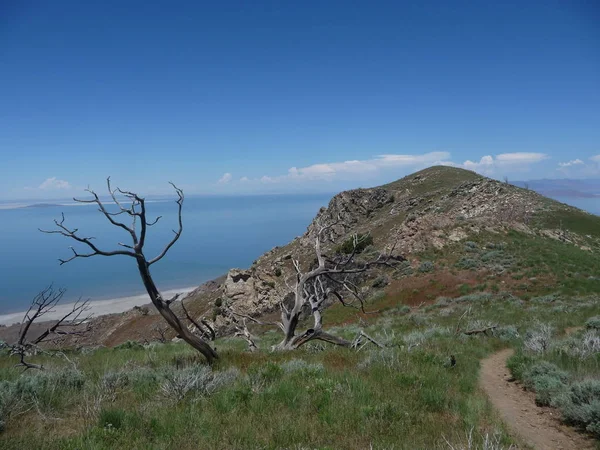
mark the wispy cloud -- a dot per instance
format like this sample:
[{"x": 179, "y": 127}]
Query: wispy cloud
[
  {"x": 518, "y": 161},
  {"x": 383, "y": 166},
  {"x": 329, "y": 171},
  {"x": 54, "y": 184},
  {"x": 570, "y": 163},
  {"x": 226, "y": 178},
  {"x": 578, "y": 168}
]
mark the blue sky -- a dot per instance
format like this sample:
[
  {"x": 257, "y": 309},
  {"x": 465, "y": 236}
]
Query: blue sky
[{"x": 230, "y": 97}]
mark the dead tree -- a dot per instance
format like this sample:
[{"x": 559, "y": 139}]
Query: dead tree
[
  {"x": 42, "y": 304},
  {"x": 161, "y": 331},
  {"x": 243, "y": 332},
  {"x": 332, "y": 278},
  {"x": 135, "y": 209},
  {"x": 205, "y": 330}
]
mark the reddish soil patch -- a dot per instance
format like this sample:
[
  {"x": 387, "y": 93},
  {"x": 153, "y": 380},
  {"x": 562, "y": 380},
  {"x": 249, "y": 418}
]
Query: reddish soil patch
[
  {"x": 135, "y": 329},
  {"x": 538, "y": 427},
  {"x": 416, "y": 290}
]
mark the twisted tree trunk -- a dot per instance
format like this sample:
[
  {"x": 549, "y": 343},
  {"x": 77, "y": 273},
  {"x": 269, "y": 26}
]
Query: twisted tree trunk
[{"x": 163, "y": 308}]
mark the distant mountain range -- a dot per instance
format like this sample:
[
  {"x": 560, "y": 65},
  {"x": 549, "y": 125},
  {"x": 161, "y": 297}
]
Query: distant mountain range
[{"x": 563, "y": 187}]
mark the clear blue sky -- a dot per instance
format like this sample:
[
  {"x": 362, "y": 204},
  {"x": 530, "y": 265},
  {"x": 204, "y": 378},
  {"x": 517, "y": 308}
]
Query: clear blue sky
[{"x": 292, "y": 96}]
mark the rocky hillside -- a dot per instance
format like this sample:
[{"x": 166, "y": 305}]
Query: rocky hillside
[
  {"x": 427, "y": 211},
  {"x": 456, "y": 228}
]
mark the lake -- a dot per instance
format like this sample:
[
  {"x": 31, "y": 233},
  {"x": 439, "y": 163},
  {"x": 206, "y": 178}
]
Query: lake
[{"x": 219, "y": 233}]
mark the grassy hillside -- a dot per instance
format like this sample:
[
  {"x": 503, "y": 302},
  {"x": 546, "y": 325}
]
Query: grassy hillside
[{"x": 480, "y": 255}]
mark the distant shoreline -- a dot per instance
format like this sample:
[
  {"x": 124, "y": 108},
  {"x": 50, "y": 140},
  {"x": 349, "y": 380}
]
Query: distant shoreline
[{"x": 97, "y": 307}]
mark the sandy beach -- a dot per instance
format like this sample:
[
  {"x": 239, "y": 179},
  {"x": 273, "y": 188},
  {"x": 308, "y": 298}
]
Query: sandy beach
[{"x": 97, "y": 307}]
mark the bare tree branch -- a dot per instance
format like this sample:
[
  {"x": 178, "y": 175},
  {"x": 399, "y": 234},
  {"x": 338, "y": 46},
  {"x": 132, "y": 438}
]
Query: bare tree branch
[
  {"x": 177, "y": 233},
  {"x": 210, "y": 334},
  {"x": 64, "y": 231},
  {"x": 331, "y": 277},
  {"x": 43, "y": 303},
  {"x": 245, "y": 333},
  {"x": 137, "y": 212}
]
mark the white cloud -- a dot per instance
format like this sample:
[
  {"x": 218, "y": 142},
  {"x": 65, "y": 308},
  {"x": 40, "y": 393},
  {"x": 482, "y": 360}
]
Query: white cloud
[
  {"x": 521, "y": 157},
  {"x": 384, "y": 165},
  {"x": 571, "y": 163},
  {"x": 226, "y": 178},
  {"x": 327, "y": 171},
  {"x": 580, "y": 169},
  {"x": 517, "y": 161},
  {"x": 53, "y": 184}
]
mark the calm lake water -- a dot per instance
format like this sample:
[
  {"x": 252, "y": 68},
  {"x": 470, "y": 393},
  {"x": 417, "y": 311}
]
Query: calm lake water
[
  {"x": 219, "y": 233},
  {"x": 587, "y": 204}
]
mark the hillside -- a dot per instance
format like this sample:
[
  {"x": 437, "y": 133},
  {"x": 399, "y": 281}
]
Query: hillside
[
  {"x": 485, "y": 335},
  {"x": 472, "y": 229},
  {"x": 429, "y": 216}
]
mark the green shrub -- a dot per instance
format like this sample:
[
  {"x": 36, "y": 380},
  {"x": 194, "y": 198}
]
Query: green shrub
[
  {"x": 542, "y": 369},
  {"x": 426, "y": 266},
  {"x": 467, "y": 263},
  {"x": 111, "y": 381},
  {"x": 129, "y": 345},
  {"x": 348, "y": 246},
  {"x": 177, "y": 384},
  {"x": 470, "y": 246},
  {"x": 41, "y": 383},
  {"x": 545, "y": 298},
  {"x": 9, "y": 399},
  {"x": 302, "y": 367},
  {"x": 480, "y": 297},
  {"x": 507, "y": 333},
  {"x": 385, "y": 357},
  {"x": 547, "y": 389},
  {"x": 404, "y": 309},
  {"x": 493, "y": 255},
  {"x": 593, "y": 323},
  {"x": 581, "y": 407},
  {"x": 278, "y": 272},
  {"x": 266, "y": 372},
  {"x": 518, "y": 364},
  {"x": 219, "y": 302},
  {"x": 111, "y": 418},
  {"x": 379, "y": 282}
]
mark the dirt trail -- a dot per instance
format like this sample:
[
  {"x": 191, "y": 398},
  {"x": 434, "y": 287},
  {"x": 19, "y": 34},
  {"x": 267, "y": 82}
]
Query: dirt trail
[{"x": 538, "y": 427}]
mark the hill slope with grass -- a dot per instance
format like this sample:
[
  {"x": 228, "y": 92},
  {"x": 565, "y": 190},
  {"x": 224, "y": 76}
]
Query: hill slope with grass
[
  {"x": 459, "y": 232},
  {"x": 489, "y": 266}
]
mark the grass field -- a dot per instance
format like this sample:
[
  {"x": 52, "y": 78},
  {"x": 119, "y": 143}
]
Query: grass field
[{"x": 403, "y": 396}]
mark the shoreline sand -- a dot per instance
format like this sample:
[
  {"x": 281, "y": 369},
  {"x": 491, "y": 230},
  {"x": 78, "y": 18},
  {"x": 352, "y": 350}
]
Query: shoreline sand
[{"x": 97, "y": 307}]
